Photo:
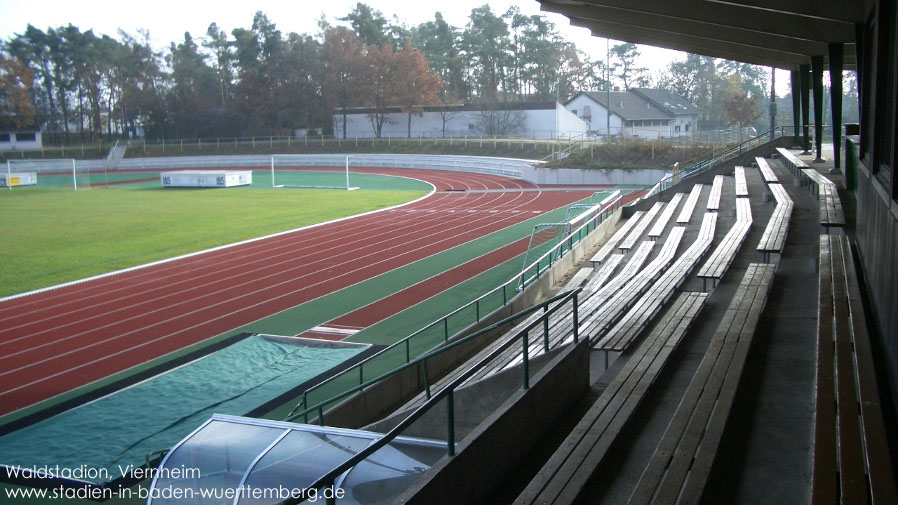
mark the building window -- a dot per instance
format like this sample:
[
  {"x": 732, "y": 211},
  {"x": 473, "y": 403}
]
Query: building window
[
  {"x": 575, "y": 112},
  {"x": 677, "y": 128},
  {"x": 687, "y": 127},
  {"x": 587, "y": 111},
  {"x": 26, "y": 137},
  {"x": 4, "y": 137}
]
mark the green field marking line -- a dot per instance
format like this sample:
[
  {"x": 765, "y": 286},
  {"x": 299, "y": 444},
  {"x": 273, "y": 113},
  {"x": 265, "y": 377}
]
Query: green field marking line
[{"x": 204, "y": 251}]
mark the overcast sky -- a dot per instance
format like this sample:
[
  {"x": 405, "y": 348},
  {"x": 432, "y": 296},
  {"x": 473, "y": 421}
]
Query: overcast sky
[{"x": 167, "y": 20}]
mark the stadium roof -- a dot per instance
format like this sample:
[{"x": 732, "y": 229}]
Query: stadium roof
[{"x": 778, "y": 33}]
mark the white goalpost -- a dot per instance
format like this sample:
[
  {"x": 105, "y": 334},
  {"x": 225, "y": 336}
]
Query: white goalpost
[
  {"x": 24, "y": 172},
  {"x": 285, "y": 174}
]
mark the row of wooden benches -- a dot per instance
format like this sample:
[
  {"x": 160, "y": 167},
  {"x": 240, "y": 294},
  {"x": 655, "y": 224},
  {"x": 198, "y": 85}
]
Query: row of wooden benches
[
  {"x": 680, "y": 466},
  {"x": 851, "y": 452},
  {"x": 829, "y": 205}
]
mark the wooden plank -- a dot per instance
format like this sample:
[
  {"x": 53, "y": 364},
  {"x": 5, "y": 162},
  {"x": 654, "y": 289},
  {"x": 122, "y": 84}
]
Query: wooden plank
[
  {"x": 689, "y": 207},
  {"x": 825, "y": 479},
  {"x": 767, "y": 173},
  {"x": 852, "y": 481},
  {"x": 741, "y": 183},
  {"x": 637, "y": 231},
  {"x": 878, "y": 460},
  {"x": 619, "y": 235},
  {"x": 658, "y": 228},
  {"x": 716, "y": 190}
]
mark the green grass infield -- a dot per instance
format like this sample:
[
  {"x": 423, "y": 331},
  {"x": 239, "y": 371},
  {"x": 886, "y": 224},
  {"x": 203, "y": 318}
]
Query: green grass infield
[{"x": 52, "y": 236}]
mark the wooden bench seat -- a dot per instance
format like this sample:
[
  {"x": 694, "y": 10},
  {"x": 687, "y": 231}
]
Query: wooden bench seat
[
  {"x": 564, "y": 476},
  {"x": 716, "y": 190},
  {"x": 689, "y": 206},
  {"x": 661, "y": 223},
  {"x": 641, "y": 313},
  {"x": 720, "y": 260},
  {"x": 791, "y": 162},
  {"x": 678, "y": 470},
  {"x": 595, "y": 325},
  {"x": 828, "y": 203},
  {"x": 637, "y": 231},
  {"x": 766, "y": 172},
  {"x": 611, "y": 244},
  {"x": 851, "y": 456},
  {"x": 741, "y": 183},
  {"x": 773, "y": 239}
]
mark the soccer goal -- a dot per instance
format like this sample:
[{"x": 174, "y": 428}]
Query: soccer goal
[
  {"x": 286, "y": 173},
  {"x": 59, "y": 173}
]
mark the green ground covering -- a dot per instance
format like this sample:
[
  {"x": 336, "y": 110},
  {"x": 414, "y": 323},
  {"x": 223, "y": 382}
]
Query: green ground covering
[
  {"x": 394, "y": 328},
  {"x": 53, "y": 236}
]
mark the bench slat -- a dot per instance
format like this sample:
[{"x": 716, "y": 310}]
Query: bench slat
[
  {"x": 825, "y": 476},
  {"x": 689, "y": 207},
  {"x": 878, "y": 462}
]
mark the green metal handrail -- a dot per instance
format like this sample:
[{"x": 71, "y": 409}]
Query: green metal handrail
[
  {"x": 714, "y": 160},
  {"x": 421, "y": 361},
  {"x": 448, "y": 392},
  {"x": 512, "y": 286}
]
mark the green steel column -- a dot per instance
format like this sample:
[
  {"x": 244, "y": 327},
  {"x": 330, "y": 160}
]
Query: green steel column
[
  {"x": 836, "y": 52},
  {"x": 796, "y": 106},
  {"x": 817, "y": 71},
  {"x": 805, "y": 105}
]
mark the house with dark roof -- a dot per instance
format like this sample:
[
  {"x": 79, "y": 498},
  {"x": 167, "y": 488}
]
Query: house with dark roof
[{"x": 644, "y": 113}]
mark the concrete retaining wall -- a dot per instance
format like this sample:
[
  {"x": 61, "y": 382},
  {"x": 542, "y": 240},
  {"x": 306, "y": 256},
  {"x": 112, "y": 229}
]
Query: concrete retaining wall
[
  {"x": 495, "y": 447},
  {"x": 538, "y": 175}
]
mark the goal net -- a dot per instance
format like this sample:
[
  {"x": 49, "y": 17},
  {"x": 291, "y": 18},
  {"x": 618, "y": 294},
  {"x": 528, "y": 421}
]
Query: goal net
[
  {"x": 52, "y": 173},
  {"x": 289, "y": 171}
]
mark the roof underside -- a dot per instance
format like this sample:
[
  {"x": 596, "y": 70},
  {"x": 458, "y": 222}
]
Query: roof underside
[{"x": 777, "y": 33}]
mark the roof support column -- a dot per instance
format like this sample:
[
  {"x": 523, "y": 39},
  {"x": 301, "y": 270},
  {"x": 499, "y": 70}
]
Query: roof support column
[
  {"x": 836, "y": 52},
  {"x": 805, "y": 105},
  {"x": 796, "y": 107},
  {"x": 817, "y": 71}
]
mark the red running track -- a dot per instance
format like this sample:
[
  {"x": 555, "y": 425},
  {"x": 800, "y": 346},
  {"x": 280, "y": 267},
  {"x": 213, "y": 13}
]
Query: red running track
[{"x": 62, "y": 339}]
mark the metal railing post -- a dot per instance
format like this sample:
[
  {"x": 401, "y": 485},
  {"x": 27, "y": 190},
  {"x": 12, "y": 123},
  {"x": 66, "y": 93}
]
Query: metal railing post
[{"x": 450, "y": 422}]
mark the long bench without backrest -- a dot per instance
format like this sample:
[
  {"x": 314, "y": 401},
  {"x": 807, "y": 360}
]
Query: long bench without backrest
[
  {"x": 851, "y": 454},
  {"x": 689, "y": 206},
  {"x": 564, "y": 476},
  {"x": 660, "y": 223},
  {"x": 720, "y": 260},
  {"x": 828, "y": 202},
  {"x": 773, "y": 240},
  {"x": 678, "y": 470},
  {"x": 594, "y": 326},
  {"x": 652, "y": 301},
  {"x": 716, "y": 190},
  {"x": 766, "y": 172},
  {"x": 792, "y": 162},
  {"x": 609, "y": 246},
  {"x": 637, "y": 231},
  {"x": 741, "y": 183}
]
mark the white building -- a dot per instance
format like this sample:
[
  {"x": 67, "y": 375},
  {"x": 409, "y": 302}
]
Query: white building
[
  {"x": 19, "y": 139},
  {"x": 644, "y": 113},
  {"x": 539, "y": 120}
]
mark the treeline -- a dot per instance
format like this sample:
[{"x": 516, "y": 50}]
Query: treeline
[{"x": 260, "y": 81}]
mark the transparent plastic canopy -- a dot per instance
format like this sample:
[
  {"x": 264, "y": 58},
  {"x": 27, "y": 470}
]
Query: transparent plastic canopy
[{"x": 238, "y": 460}]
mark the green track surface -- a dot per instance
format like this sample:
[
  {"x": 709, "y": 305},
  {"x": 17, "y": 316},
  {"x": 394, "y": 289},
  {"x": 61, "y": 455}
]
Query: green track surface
[{"x": 53, "y": 236}]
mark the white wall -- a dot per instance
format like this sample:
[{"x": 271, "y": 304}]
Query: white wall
[
  {"x": 15, "y": 143},
  {"x": 599, "y": 119},
  {"x": 538, "y": 124}
]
